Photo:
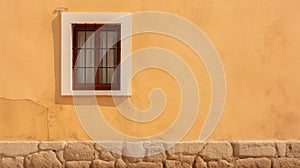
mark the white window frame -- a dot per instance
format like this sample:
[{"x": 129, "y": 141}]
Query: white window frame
[{"x": 69, "y": 18}]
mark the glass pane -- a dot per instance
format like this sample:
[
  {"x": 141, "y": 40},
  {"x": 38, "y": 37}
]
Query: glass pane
[
  {"x": 111, "y": 39},
  {"x": 90, "y": 39},
  {"x": 116, "y": 57},
  {"x": 111, "y": 76},
  {"x": 102, "y": 35},
  {"x": 102, "y": 75},
  {"x": 90, "y": 75},
  {"x": 111, "y": 55},
  {"x": 80, "y": 58},
  {"x": 102, "y": 58},
  {"x": 80, "y": 75},
  {"x": 90, "y": 58},
  {"x": 81, "y": 39}
]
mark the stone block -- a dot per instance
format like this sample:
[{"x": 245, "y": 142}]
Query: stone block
[
  {"x": 60, "y": 156},
  {"x": 106, "y": 156},
  {"x": 253, "y": 163},
  {"x": 216, "y": 151},
  {"x": 51, "y": 146},
  {"x": 45, "y": 159},
  {"x": 115, "y": 148},
  {"x": 254, "y": 149},
  {"x": 220, "y": 164},
  {"x": 102, "y": 164},
  {"x": 186, "y": 148},
  {"x": 281, "y": 148},
  {"x": 155, "y": 154},
  {"x": 79, "y": 151},
  {"x": 173, "y": 164},
  {"x": 134, "y": 152},
  {"x": 293, "y": 149},
  {"x": 78, "y": 164},
  {"x": 13, "y": 149},
  {"x": 286, "y": 162},
  {"x": 188, "y": 160},
  {"x": 199, "y": 163},
  {"x": 12, "y": 163},
  {"x": 132, "y": 159},
  {"x": 145, "y": 165},
  {"x": 134, "y": 149},
  {"x": 120, "y": 163}
]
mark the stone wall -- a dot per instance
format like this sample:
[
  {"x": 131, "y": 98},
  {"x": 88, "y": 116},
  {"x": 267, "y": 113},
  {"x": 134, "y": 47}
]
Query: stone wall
[{"x": 241, "y": 154}]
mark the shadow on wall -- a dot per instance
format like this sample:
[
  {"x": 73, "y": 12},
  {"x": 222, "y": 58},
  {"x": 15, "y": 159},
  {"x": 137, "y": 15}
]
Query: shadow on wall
[{"x": 59, "y": 99}]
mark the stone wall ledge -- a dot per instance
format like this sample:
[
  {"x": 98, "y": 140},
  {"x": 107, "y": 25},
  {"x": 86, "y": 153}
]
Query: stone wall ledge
[{"x": 90, "y": 154}]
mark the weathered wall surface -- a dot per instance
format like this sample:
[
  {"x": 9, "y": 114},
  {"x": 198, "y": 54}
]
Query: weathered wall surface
[{"x": 257, "y": 40}]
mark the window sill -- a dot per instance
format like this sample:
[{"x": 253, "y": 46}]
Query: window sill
[{"x": 95, "y": 93}]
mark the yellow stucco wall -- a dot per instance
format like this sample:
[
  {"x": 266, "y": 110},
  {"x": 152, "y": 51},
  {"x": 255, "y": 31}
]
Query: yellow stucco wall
[{"x": 258, "y": 41}]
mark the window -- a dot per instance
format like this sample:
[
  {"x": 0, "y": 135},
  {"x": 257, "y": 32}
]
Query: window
[{"x": 95, "y": 54}]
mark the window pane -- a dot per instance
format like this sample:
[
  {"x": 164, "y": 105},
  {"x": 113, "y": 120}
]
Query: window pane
[
  {"x": 81, "y": 39},
  {"x": 111, "y": 76},
  {"x": 102, "y": 36},
  {"x": 90, "y": 58},
  {"x": 102, "y": 58},
  {"x": 80, "y": 74},
  {"x": 111, "y": 39},
  {"x": 90, "y": 75},
  {"x": 102, "y": 75},
  {"x": 87, "y": 62},
  {"x": 80, "y": 62},
  {"x": 90, "y": 39},
  {"x": 111, "y": 58},
  {"x": 116, "y": 57}
]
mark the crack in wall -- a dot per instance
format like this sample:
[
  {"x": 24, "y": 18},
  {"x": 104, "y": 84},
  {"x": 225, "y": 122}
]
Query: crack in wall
[
  {"x": 25, "y": 99},
  {"x": 24, "y": 114}
]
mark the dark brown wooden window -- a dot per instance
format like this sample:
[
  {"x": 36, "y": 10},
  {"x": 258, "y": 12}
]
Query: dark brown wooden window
[{"x": 96, "y": 56}]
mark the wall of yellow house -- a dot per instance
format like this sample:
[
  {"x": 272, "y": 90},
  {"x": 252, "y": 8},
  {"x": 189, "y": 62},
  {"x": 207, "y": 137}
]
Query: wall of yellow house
[{"x": 258, "y": 41}]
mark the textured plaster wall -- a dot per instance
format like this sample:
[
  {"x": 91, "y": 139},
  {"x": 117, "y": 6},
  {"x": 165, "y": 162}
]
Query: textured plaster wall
[{"x": 258, "y": 41}]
